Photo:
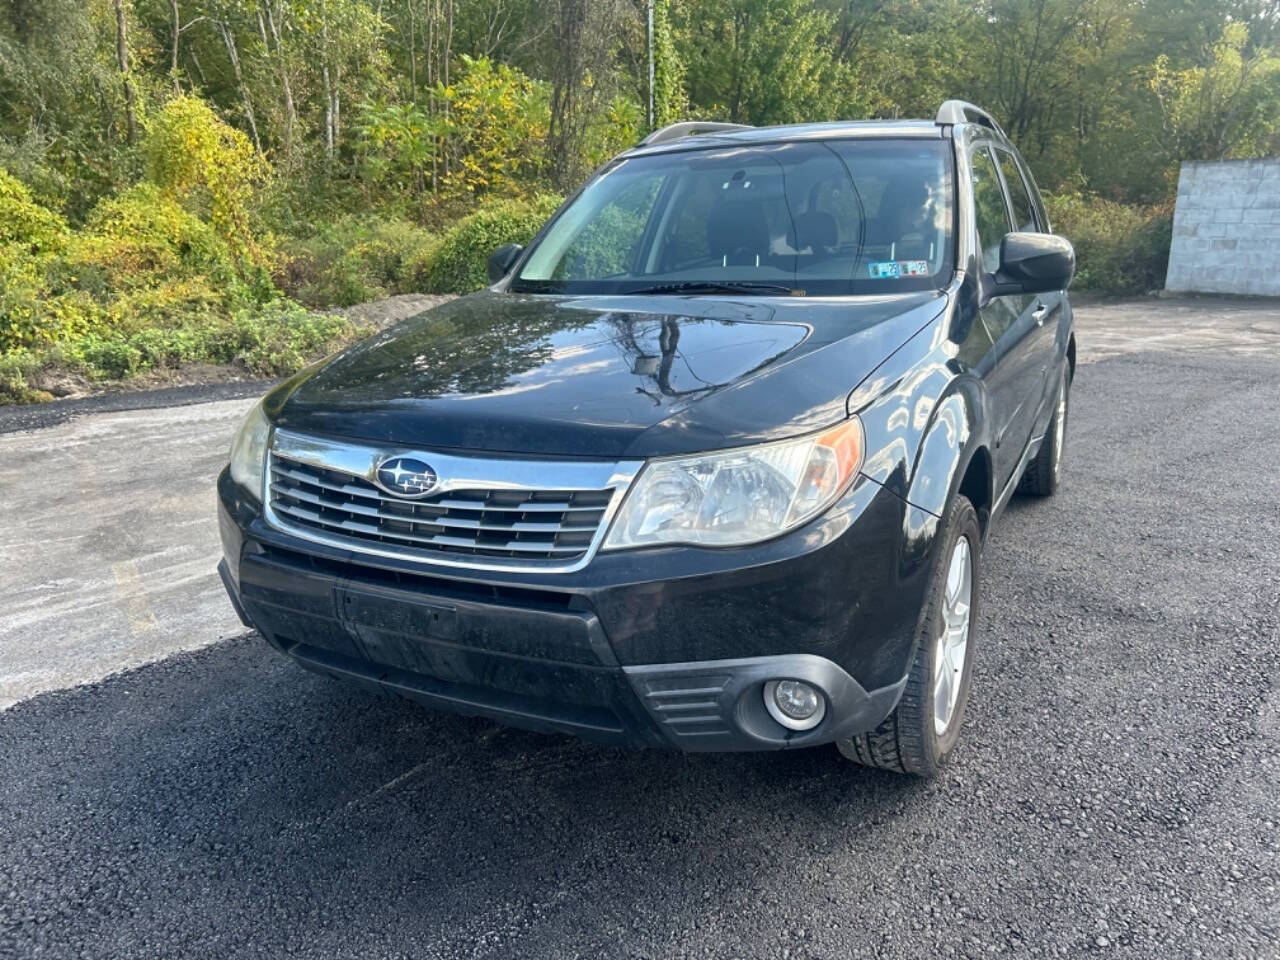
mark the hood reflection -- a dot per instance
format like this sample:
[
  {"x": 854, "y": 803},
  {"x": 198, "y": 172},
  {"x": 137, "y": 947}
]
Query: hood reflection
[{"x": 589, "y": 376}]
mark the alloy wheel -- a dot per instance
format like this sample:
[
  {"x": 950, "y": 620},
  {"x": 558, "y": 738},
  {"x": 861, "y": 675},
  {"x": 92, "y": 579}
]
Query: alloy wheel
[
  {"x": 953, "y": 644},
  {"x": 1059, "y": 430}
]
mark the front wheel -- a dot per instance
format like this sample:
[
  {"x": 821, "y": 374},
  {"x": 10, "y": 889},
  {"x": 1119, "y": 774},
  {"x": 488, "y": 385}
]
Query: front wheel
[
  {"x": 1044, "y": 472},
  {"x": 924, "y": 728}
]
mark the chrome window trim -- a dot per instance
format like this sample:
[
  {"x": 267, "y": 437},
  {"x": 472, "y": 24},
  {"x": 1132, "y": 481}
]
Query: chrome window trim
[{"x": 455, "y": 473}]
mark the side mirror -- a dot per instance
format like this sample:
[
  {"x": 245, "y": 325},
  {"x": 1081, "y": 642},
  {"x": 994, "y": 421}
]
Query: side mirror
[
  {"x": 502, "y": 260},
  {"x": 1034, "y": 263}
]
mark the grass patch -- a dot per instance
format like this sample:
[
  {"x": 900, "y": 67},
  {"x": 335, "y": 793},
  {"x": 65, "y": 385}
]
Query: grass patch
[{"x": 272, "y": 340}]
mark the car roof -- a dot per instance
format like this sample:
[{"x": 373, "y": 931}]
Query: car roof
[{"x": 837, "y": 130}]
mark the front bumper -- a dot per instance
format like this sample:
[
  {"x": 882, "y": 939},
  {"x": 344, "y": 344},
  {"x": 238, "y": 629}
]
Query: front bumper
[{"x": 666, "y": 647}]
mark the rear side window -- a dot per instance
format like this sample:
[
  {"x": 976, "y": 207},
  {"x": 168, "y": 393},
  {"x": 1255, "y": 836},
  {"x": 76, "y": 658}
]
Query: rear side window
[
  {"x": 1024, "y": 211},
  {"x": 989, "y": 210}
]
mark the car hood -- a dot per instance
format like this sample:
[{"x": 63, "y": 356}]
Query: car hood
[{"x": 612, "y": 377}]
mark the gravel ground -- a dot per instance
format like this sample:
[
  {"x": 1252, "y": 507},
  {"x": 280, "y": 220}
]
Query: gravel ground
[
  {"x": 1117, "y": 792},
  {"x": 113, "y": 566}
]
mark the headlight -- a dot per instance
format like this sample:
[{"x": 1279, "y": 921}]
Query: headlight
[
  {"x": 249, "y": 451},
  {"x": 738, "y": 496}
]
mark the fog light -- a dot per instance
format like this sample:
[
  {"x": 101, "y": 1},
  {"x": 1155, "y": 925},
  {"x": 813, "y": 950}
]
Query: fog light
[{"x": 794, "y": 704}]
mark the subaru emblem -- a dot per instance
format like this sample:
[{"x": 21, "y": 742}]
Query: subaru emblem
[{"x": 406, "y": 477}]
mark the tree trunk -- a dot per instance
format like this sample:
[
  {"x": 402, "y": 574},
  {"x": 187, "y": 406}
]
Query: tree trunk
[
  {"x": 234, "y": 56},
  {"x": 108, "y": 117},
  {"x": 562, "y": 128},
  {"x": 204, "y": 81},
  {"x": 175, "y": 36},
  {"x": 447, "y": 56},
  {"x": 328, "y": 86},
  {"x": 290, "y": 110},
  {"x": 337, "y": 105},
  {"x": 413, "y": 58},
  {"x": 200, "y": 71},
  {"x": 328, "y": 112},
  {"x": 122, "y": 60}
]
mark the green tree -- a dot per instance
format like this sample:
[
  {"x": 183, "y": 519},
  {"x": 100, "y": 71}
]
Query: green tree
[
  {"x": 399, "y": 146},
  {"x": 1230, "y": 107},
  {"x": 758, "y": 61},
  {"x": 669, "y": 98},
  {"x": 491, "y": 128}
]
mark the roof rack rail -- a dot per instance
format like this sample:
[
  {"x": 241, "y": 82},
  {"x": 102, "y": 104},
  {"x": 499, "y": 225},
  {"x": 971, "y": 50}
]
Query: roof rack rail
[
  {"x": 959, "y": 111},
  {"x": 689, "y": 128}
]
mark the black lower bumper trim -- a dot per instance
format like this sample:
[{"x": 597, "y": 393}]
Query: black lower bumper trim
[
  {"x": 590, "y": 723},
  {"x": 531, "y": 664},
  {"x": 234, "y": 594}
]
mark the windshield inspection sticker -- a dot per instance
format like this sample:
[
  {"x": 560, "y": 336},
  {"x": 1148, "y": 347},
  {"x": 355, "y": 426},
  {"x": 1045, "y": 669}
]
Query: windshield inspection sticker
[{"x": 896, "y": 269}]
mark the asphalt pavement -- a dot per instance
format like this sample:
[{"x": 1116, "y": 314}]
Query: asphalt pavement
[{"x": 1117, "y": 792}]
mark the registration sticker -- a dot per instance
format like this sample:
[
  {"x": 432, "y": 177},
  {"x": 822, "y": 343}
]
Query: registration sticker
[{"x": 896, "y": 269}]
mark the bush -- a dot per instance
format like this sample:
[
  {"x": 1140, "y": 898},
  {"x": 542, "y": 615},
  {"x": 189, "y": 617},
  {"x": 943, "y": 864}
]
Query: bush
[
  {"x": 1120, "y": 249},
  {"x": 26, "y": 224},
  {"x": 286, "y": 337},
  {"x": 193, "y": 156},
  {"x": 31, "y": 236},
  {"x": 141, "y": 259},
  {"x": 141, "y": 238},
  {"x": 278, "y": 338},
  {"x": 356, "y": 259},
  {"x": 458, "y": 265},
  {"x": 22, "y": 315},
  {"x": 416, "y": 266}
]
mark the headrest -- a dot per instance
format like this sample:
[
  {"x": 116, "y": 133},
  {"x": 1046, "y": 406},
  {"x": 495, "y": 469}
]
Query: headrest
[{"x": 816, "y": 230}]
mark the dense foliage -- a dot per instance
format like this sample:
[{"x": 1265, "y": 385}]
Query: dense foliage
[
  {"x": 1119, "y": 248},
  {"x": 458, "y": 264},
  {"x": 187, "y": 180}
]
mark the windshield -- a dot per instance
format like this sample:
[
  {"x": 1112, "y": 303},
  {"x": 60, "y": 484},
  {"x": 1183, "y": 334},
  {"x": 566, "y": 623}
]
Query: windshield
[{"x": 825, "y": 218}]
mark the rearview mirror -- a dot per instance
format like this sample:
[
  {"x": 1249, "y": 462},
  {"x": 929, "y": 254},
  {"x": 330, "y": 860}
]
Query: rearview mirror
[
  {"x": 1034, "y": 263},
  {"x": 502, "y": 260}
]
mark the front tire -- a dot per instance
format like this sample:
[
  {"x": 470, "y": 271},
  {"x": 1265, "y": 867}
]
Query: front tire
[
  {"x": 924, "y": 728},
  {"x": 1044, "y": 472}
]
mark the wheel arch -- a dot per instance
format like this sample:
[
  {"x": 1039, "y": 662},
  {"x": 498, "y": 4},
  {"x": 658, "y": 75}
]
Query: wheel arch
[
  {"x": 953, "y": 453},
  {"x": 977, "y": 482}
]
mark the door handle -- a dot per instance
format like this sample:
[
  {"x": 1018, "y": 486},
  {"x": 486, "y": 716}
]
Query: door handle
[{"x": 1039, "y": 313}]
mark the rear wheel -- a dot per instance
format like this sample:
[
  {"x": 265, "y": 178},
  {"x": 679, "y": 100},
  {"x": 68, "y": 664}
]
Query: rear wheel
[
  {"x": 1043, "y": 473},
  {"x": 924, "y": 728}
]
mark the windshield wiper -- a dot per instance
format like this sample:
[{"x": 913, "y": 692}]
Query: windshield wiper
[{"x": 720, "y": 286}]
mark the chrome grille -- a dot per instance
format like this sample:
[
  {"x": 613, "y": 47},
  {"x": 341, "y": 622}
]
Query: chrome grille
[{"x": 324, "y": 492}]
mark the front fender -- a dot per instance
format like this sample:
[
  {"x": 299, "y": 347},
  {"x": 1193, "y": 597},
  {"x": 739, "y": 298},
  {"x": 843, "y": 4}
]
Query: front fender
[
  {"x": 942, "y": 453},
  {"x": 923, "y": 415}
]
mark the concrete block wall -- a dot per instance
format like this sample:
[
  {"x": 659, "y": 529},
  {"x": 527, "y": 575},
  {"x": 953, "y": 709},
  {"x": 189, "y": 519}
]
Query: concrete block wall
[{"x": 1226, "y": 228}]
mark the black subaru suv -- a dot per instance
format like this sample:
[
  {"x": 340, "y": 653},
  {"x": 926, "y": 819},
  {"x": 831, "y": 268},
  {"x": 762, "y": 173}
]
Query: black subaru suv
[{"x": 709, "y": 466}]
